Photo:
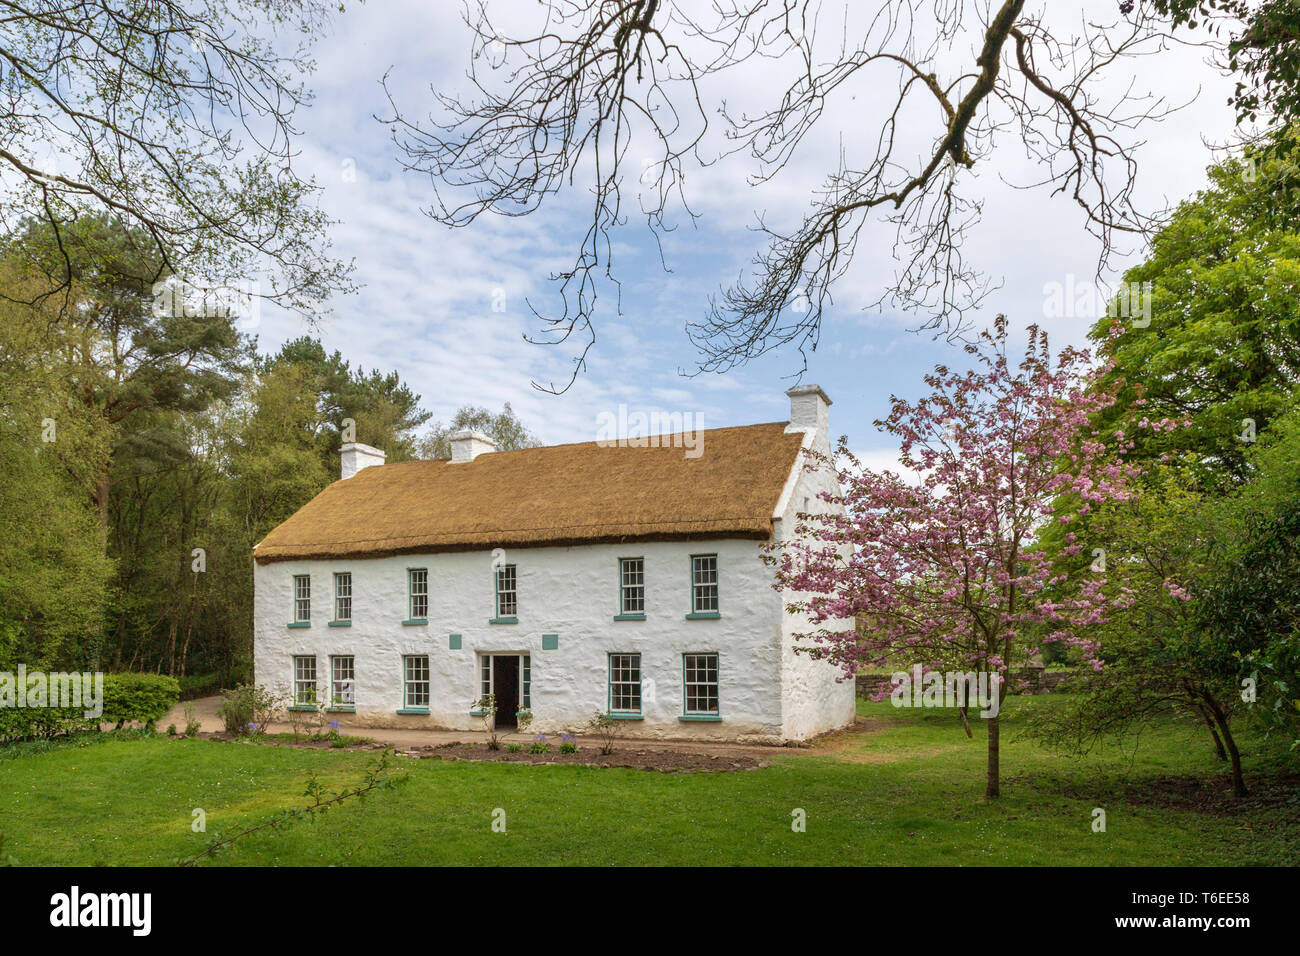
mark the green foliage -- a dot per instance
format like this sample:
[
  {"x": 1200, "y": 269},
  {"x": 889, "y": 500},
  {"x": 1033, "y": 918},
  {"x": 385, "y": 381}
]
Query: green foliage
[
  {"x": 1223, "y": 345},
  {"x": 139, "y": 698},
  {"x": 40, "y": 723},
  {"x": 505, "y": 429},
  {"x": 249, "y": 709}
]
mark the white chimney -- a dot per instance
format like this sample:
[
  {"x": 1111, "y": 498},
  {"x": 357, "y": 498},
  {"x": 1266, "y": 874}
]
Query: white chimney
[
  {"x": 468, "y": 445},
  {"x": 357, "y": 456},
  {"x": 810, "y": 408}
]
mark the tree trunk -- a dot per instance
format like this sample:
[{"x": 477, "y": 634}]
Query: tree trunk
[
  {"x": 1238, "y": 782},
  {"x": 1209, "y": 723},
  {"x": 991, "y": 789}
]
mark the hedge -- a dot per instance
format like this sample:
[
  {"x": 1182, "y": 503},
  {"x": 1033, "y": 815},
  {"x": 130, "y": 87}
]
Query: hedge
[{"x": 138, "y": 697}]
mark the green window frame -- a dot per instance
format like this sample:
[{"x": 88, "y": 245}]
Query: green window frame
[
  {"x": 700, "y": 696},
  {"x": 624, "y": 685},
  {"x": 304, "y": 681},
  {"x": 507, "y": 592},
  {"x": 417, "y": 594},
  {"x": 302, "y": 598},
  {"x": 343, "y": 681},
  {"x": 704, "y": 585},
  {"x": 631, "y": 589},
  {"x": 415, "y": 682},
  {"x": 343, "y": 596}
]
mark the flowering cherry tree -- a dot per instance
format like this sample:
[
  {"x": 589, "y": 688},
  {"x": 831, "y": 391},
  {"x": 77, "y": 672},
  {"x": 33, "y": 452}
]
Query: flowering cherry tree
[{"x": 942, "y": 571}]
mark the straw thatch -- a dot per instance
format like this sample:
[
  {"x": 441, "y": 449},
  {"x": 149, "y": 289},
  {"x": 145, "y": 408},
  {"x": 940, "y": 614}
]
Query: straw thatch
[{"x": 561, "y": 495}]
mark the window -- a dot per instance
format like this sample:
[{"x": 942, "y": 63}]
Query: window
[
  {"x": 631, "y": 573},
  {"x": 526, "y": 665},
  {"x": 625, "y": 683},
  {"x": 343, "y": 596},
  {"x": 704, "y": 584},
  {"x": 507, "y": 594},
  {"x": 343, "y": 681},
  {"x": 485, "y": 676},
  {"x": 416, "y": 675},
  {"x": 418, "y": 586},
  {"x": 302, "y": 597},
  {"x": 701, "y": 679},
  {"x": 304, "y": 681}
]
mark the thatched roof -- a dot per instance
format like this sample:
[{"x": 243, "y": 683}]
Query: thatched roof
[{"x": 560, "y": 495}]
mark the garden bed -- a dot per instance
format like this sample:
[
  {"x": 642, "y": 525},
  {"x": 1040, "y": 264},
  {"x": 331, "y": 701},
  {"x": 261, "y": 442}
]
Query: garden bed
[{"x": 664, "y": 761}]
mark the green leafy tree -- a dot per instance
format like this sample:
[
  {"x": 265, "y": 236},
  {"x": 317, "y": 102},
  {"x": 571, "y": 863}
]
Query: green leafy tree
[
  {"x": 54, "y": 572},
  {"x": 504, "y": 428},
  {"x": 1222, "y": 349},
  {"x": 176, "y": 118}
]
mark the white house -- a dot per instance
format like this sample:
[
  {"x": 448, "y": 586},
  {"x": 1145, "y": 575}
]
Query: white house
[{"x": 566, "y": 580}]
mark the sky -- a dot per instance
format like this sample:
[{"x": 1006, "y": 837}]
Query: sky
[{"x": 447, "y": 309}]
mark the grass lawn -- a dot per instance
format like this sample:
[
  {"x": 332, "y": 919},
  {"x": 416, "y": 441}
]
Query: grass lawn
[{"x": 910, "y": 792}]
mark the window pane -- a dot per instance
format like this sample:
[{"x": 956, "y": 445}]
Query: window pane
[
  {"x": 302, "y": 597},
  {"x": 704, "y": 582},
  {"x": 343, "y": 596},
  {"x": 632, "y": 586},
  {"x": 419, "y": 588},
  {"x": 507, "y": 605}
]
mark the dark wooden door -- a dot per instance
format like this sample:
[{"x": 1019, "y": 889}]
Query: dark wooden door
[{"x": 505, "y": 684}]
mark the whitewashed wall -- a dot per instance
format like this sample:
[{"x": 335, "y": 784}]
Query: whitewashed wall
[
  {"x": 816, "y": 696},
  {"x": 572, "y": 592}
]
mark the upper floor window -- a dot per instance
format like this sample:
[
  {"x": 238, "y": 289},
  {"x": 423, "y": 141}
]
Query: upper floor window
[
  {"x": 418, "y": 586},
  {"x": 507, "y": 591},
  {"x": 631, "y": 573},
  {"x": 302, "y": 597},
  {"x": 704, "y": 584},
  {"x": 343, "y": 596}
]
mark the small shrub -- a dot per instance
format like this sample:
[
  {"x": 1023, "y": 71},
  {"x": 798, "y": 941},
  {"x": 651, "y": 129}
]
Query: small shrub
[
  {"x": 487, "y": 708},
  {"x": 568, "y": 745},
  {"x": 514, "y": 748},
  {"x": 249, "y": 709},
  {"x": 192, "y": 723},
  {"x": 171, "y": 730},
  {"x": 539, "y": 745},
  {"x": 607, "y": 729}
]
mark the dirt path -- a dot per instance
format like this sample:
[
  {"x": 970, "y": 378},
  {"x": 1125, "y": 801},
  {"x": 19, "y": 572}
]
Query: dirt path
[{"x": 402, "y": 738}]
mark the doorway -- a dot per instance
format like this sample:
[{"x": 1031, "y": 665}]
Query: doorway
[{"x": 505, "y": 685}]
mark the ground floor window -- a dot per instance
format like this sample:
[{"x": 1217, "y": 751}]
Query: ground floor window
[
  {"x": 343, "y": 681},
  {"x": 625, "y": 683},
  {"x": 416, "y": 680},
  {"x": 700, "y": 673},
  {"x": 526, "y": 668},
  {"x": 304, "y": 680}
]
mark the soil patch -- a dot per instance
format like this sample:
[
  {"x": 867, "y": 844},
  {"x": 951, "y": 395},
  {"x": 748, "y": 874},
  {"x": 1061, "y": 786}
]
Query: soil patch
[{"x": 664, "y": 761}]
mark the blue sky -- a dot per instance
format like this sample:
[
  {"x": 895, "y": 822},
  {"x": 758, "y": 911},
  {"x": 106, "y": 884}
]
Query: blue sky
[{"x": 425, "y": 309}]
